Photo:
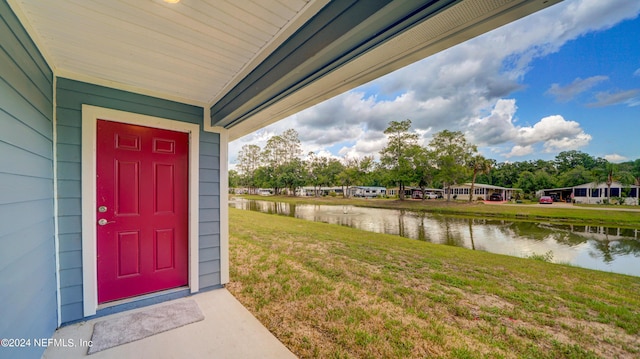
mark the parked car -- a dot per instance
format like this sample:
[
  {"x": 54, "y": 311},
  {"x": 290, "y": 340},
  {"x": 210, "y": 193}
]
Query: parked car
[
  {"x": 546, "y": 199},
  {"x": 430, "y": 195},
  {"x": 495, "y": 197}
]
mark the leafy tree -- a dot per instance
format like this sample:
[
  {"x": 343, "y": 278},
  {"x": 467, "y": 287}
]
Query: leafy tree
[
  {"x": 452, "y": 153},
  {"x": 283, "y": 148},
  {"x": 574, "y": 177},
  {"x": 291, "y": 175},
  {"x": 249, "y": 160},
  {"x": 234, "y": 179},
  {"x": 543, "y": 180},
  {"x": 478, "y": 164},
  {"x": 322, "y": 171},
  {"x": 425, "y": 169},
  {"x": 349, "y": 174},
  {"x": 397, "y": 156},
  {"x": 527, "y": 182},
  {"x": 567, "y": 160}
]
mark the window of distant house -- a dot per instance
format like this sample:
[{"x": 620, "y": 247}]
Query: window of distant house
[
  {"x": 595, "y": 192},
  {"x": 615, "y": 192},
  {"x": 580, "y": 192}
]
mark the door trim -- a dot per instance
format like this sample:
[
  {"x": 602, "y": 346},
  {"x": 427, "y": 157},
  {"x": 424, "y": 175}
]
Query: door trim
[{"x": 90, "y": 116}]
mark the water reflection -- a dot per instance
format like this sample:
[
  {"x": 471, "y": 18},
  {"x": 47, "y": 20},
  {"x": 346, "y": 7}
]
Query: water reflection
[{"x": 603, "y": 248}]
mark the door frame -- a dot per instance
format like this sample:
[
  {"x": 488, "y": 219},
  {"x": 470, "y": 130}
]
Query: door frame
[{"x": 90, "y": 116}]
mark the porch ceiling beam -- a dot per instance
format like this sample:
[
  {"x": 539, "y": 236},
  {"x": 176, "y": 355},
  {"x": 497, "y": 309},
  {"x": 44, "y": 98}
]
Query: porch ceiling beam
[{"x": 341, "y": 32}]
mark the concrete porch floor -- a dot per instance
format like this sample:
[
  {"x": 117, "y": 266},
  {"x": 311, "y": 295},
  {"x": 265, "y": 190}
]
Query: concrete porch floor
[{"x": 229, "y": 330}]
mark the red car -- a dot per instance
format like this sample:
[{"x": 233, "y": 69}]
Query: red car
[{"x": 546, "y": 199}]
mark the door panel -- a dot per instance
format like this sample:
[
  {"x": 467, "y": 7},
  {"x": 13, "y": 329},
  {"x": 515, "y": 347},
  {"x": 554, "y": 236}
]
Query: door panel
[{"x": 142, "y": 199}]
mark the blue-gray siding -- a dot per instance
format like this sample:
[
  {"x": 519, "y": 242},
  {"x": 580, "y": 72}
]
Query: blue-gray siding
[
  {"x": 71, "y": 95},
  {"x": 28, "y": 306}
]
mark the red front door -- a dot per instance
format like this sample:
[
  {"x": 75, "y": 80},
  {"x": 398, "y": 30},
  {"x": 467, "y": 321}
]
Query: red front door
[{"x": 142, "y": 210}]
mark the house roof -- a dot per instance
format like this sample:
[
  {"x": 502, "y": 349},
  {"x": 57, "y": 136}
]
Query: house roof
[
  {"x": 594, "y": 185},
  {"x": 251, "y": 62},
  {"x": 488, "y": 186}
]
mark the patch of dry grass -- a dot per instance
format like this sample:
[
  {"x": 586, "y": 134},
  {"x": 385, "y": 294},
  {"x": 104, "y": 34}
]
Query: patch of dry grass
[{"x": 334, "y": 292}]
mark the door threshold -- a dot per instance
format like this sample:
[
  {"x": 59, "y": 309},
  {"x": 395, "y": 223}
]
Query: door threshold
[{"x": 141, "y": 297}]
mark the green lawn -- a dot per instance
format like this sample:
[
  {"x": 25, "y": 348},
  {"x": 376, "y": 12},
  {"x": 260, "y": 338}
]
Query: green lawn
[
  {"x": 606, "y": 215},
  {"x": 328, "y": 291}
]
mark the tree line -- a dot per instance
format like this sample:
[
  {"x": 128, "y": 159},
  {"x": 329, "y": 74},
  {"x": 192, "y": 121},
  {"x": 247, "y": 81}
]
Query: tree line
[{"x": 448, "y": 159}]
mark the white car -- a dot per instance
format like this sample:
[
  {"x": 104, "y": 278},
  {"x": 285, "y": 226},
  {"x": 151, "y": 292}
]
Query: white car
[{"x": 430, "y": 195}]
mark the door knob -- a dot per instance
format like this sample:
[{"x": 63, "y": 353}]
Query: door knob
[{"x": 103, "y": 221}]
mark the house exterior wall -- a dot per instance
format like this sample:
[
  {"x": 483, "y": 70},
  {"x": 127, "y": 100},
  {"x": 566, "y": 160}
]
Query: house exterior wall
[
  {"x": 70, "y": 96},
  {"x": 27, "y": 259},
  {"x": 597, "y": 193}
]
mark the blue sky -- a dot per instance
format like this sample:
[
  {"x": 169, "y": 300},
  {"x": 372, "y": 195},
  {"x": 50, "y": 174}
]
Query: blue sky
[{"x": 565, "y": 78}]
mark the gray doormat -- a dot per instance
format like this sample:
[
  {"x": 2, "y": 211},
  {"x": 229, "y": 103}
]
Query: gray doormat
[{"x": 135, "y": 326}]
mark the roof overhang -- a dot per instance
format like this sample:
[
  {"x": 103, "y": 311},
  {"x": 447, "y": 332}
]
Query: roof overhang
[
  {"x": 349, "y": 43},
  {"x": 251, "y": 63}
]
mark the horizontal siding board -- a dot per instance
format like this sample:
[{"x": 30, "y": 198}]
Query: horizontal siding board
[
  {"x": 188, "y": 112},
  {"x": 68, "y": 117},
  {"x": 209, "y": 254},
  {"x": 69, "y": 277},
  {"x": 24, "y": 39},
  {"x": 69, "y": 224},
  {"x": 73, "y": 100},
  {"x": 69, "y": 135},
  {"x": 211, "y": 176},
  {"x": 71, "y": 259},
  {"x": 19, "y": 134},
  {"x": 13, "y": 74},
  {"x": 210, "y": 280},
  {"x": 209, "y": 215},
  {"x": 210, "y": 137},
  {"x": 69, "y": 153},
  {"x": 16, "y": 50},
  {"x": 209, "y": 201},
  {"x": 209, "y": 189},
  {"x": 17, "y": 217},
  {"x": 207, "y": 228},
  {"x": 69, "y": 189},
  {"x": 209, "y": 240},
  {"x": 16, "y": 188},
  {"x": 70, "y": 242},
  {"x": 69, "y": 170},
  {"x": 14, "y": 245},
  {"x": 209, "y": 162},
  {"x": 71, "y": 294},
  {"x": 18, "y": 107},
  {"x": 209, "y": 148},
  {"x": 21, "y": 162},
  {"x": 69, "y": 207},
  {"x": 209, "y": 267},
  {"x": 71, "y": 312}
]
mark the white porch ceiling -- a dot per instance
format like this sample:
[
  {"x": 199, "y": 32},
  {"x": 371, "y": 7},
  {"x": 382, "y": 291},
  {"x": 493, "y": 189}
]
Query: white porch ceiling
[
  {"x": 189, "y": 51},
  {"x": 200, "y": 51}
]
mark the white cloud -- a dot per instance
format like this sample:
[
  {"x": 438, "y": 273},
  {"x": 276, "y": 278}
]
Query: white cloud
[
  {"x": 519, "y": 151},
  {"x": 614, "y": 98},
  {"x": 552, "y": 133},
  {"x": 615, "y": 158},
  {"x": 637, "y": 72},
  {"x": 578, "y": 86}
]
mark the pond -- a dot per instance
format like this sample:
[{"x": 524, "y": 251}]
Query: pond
[{"x": 596, "y": 247}]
